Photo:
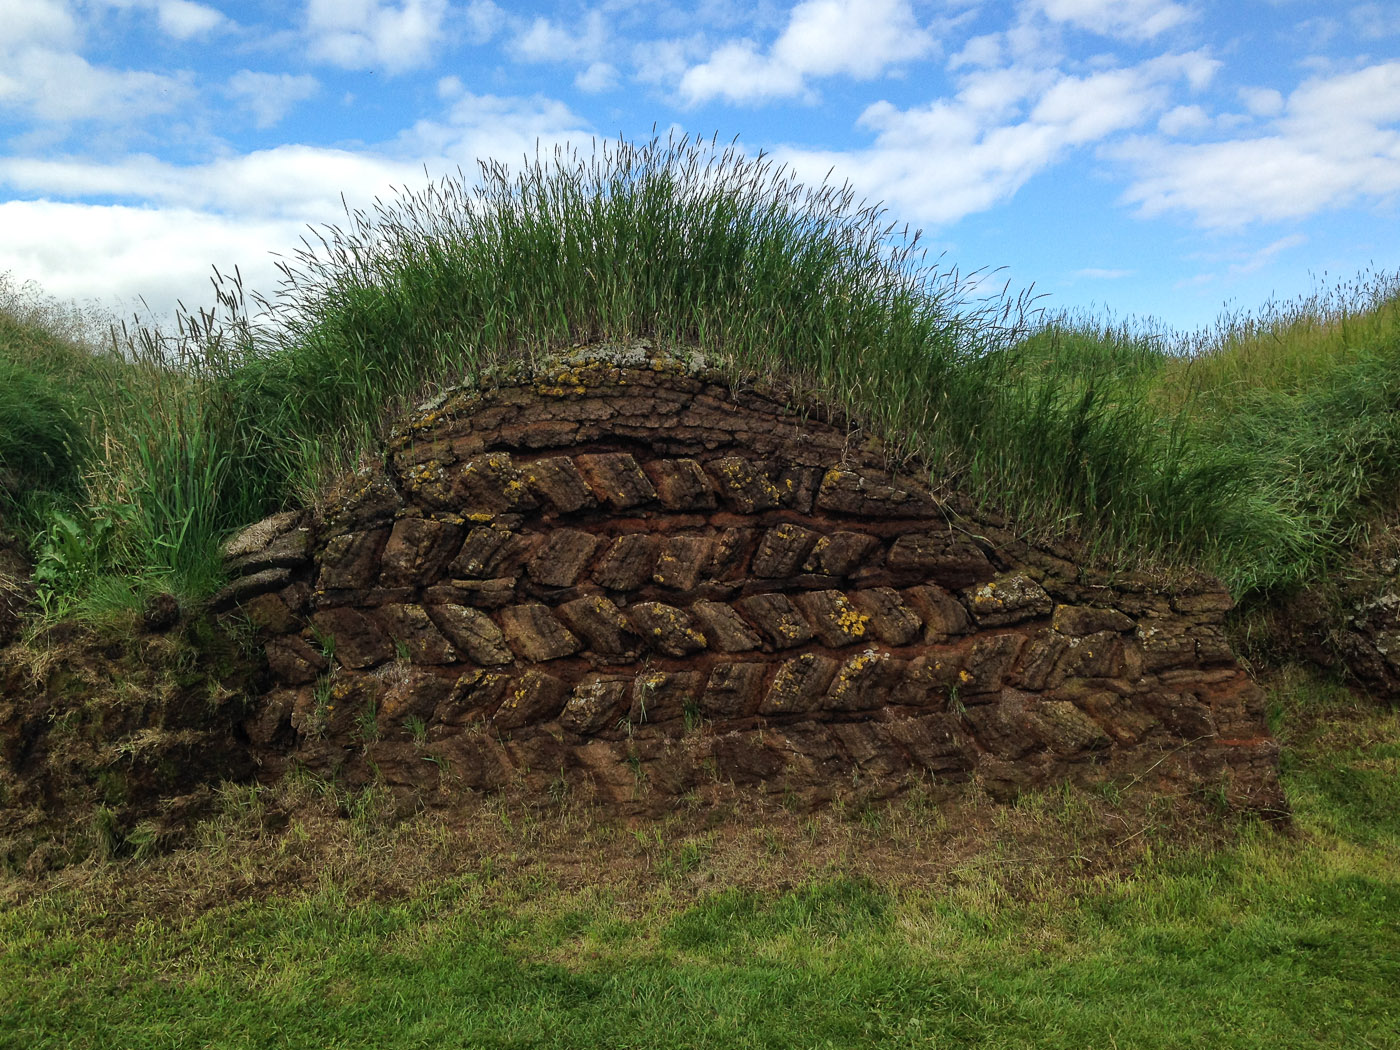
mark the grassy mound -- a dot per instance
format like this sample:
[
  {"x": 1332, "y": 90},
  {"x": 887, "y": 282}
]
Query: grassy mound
[{"x": 1260, "y": 450}]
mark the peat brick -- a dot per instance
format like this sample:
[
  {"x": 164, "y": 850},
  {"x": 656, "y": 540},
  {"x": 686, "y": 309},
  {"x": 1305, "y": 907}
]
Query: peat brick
[
  {"x": 1007, "y": 600},
  {"x": 473, "y": 633},
  {"x": 799, "y": 685},
  {"x": 782, "y": 549},
  {"x": 725, "y": 629},
  {"x": 358, "y": 641},
  {"x": 949, "y": 561},
  {"x": 890, "y": 619},
  {"x": 598, "y": 702},
  {"x": 733, "y": 690},
  {"x": 745, "y": 484},
  {"x": 417, "y": 551},
  {"x": 351, "y": 559},
  {"x": 834, "y": 619},
  {"x": 943, "y": 615},
  {"x": 411, "y": 627},
  {"x": 601, "y": 624},
  {"x": 681, "y": 484},
  {"x": 681, "y": 562},
  {"x": 628, "y": 562},
  {"x": 561, "y": 558},
  {"x": 533, "y": 697},
  {"x": 777, "y": 618},
  {"x": 669, "y": 630},
  {"x": 841, "y": 553},
  {"x": 559, "y": 484},
  {"x": 535, "y": 634},
  {"x": 616, "y": 479}
]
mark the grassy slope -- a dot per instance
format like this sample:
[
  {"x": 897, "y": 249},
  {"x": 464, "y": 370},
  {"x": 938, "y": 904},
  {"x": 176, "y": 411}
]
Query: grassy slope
[
  {"x": 1056, "y": 925},
  {"x": 109, "y": 467}
]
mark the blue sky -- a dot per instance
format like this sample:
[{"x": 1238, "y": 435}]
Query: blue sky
[{"x": 1144, "y": 158}]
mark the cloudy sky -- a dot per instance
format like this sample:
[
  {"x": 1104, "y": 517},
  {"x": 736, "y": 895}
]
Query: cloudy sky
[{"x": 1145, "y": 157}]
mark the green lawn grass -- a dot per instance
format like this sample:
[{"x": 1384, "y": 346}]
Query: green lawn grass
[{"x": 1043, "y": 934}]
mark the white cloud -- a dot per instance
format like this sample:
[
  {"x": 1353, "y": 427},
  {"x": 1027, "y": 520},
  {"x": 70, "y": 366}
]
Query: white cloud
[
  {"x": 292, "y": 181},
  {"x": 1265, "y": 255},
  {"x": 597, "y": 78},
  {"x": 1181, "y": 119},
  {"x": 481, "y": 126},
  {"x": 1335, "y": 142},
  {"x": 1126, "y": 19},
  {"x": 547, "y": 41},
  {"x": 181, "y": 19},
  {"x": 175, "y": 221},
  {"x": 307, "y": 182},
  {"x": 270, "y": 96},
  {"x": 736, "y": 72},
  {"x": 44, "y": 22},
  {"x": 1086, "y": 109},
  {"x": 664, "y": 62},
  {"x": 1375, "y": 22},
  {"x": 979, "y": 51},
  {"x": 1262, "y": 102},
  {"x": 184, "y": 20},
  {"x": 858, "y": 38},
  {"x": 44, "y": 78},
  {"x": 483, "y": 20},
  {"x": 953, "y": 157},
  {"x": 119, "y": 255},
  {"x": 361, "y": 34},
  {"x": 62, "y": 86}
]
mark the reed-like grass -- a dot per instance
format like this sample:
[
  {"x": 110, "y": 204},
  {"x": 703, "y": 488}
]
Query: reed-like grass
[
  {"x": 682, "y": 243},
  {"x": 687, "y": 244}
]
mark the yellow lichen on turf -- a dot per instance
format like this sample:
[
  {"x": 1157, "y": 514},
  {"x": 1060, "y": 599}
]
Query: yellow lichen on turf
[
  {"x": 851, "y": 620},
  {"x": 859, "y": 663}
]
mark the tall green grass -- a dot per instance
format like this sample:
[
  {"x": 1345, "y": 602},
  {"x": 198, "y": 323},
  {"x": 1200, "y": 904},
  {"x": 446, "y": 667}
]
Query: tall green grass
[
  {"x": 111, "y": 465},
  {"x": 682, "y": 243},
  {"x": 1259, "y": 450},
  {"x": 46, "y": 387},
  {"x": 688, "y": 244},
  {"x": 1303, "y": 396}
]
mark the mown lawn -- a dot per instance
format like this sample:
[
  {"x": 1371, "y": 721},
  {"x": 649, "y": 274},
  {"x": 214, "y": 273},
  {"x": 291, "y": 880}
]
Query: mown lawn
[{"x": 1040, "y": 929}]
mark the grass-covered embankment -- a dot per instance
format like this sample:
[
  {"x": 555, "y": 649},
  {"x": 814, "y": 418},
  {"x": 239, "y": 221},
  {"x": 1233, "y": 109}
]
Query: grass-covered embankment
[
  {"x": 1064, "y": 920},
  {"x": 1259, "y": 451},
  {"x": 301, "y": 916}
]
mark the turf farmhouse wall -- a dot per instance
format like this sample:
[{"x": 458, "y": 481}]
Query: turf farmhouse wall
[{"x": 635, "y": 582}]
